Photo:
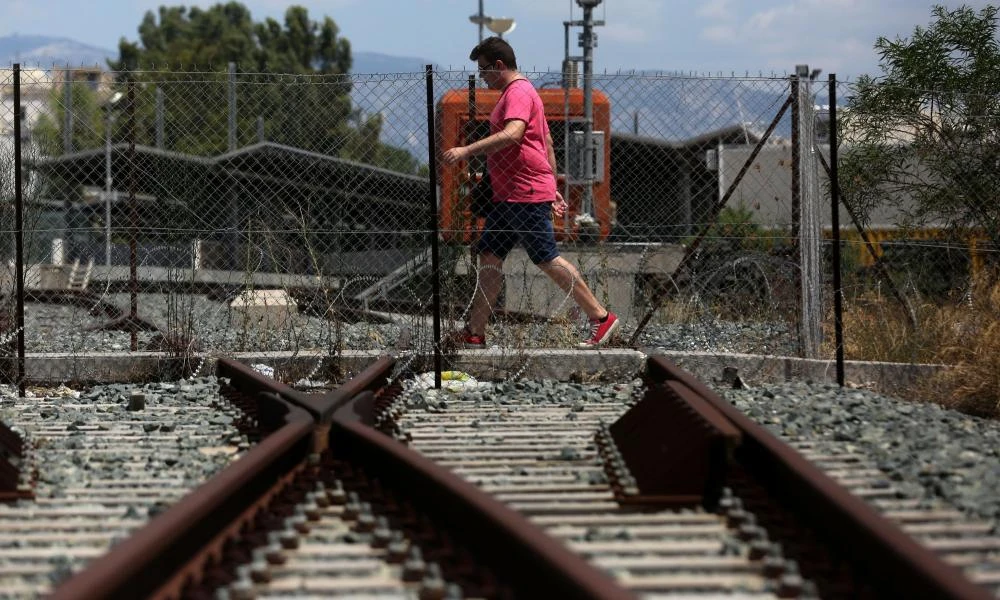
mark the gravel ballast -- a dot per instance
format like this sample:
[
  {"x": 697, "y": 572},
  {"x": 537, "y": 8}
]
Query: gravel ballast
[
  {"x": 108, "y": 459},
  {"x": 944, "y": 457},
  {"x": 55, "y": 328},
  {"x": 59, "y": 328},
  {"x": 927, "y": 451}
]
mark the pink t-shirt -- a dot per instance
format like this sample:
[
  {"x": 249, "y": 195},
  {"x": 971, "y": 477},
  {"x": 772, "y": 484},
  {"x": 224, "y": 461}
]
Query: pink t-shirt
[{"x": 521, "y": 173}]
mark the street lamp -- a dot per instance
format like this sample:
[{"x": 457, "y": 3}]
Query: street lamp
[
  {"x": 501, "y": 25},
  {"x": 498, "y": 25},
  {"x": 108, "y": 124}
]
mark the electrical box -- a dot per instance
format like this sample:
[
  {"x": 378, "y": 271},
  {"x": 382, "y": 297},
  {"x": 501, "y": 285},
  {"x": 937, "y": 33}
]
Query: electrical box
[{"x": 577, "y": 147}]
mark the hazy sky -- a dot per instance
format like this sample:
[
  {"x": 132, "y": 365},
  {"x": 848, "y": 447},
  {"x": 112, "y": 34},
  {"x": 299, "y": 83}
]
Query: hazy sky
[{"x": 704, "y": 36}]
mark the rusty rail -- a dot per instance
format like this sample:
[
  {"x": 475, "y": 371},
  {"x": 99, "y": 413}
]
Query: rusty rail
[
  {"x": 886, "y": 558},
  {"x": 671, "y": 449},
  {"x": 525, "y": 559},
  {"x": 11, "y": 462},
  {"x": 195, "y": 546},
  {"x": 320, "y": 406}
]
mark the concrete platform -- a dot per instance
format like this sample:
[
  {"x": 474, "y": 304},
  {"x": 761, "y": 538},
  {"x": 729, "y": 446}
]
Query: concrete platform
[{"x": 610, "y": 365}]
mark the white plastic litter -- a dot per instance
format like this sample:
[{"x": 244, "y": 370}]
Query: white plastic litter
[
  {"x": 450, "y": 380},
  {"x": 263, "y": 369},
  {"x": 312, "y": 383}
]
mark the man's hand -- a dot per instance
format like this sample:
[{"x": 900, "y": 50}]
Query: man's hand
[
  {"x": 559, "y": 206},
  {"x": 453, "y": 155}
]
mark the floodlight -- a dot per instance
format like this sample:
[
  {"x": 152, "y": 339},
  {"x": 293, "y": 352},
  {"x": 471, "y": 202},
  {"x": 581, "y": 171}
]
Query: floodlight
[{"x": 501, "y": 25}]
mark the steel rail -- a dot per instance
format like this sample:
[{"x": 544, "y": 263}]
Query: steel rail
[
  {"x": 525, "y": 558},
  {"x": 896, "y": 564},
  {"x": 159, "y": 559},
  {"x": 12, "y": 460},
  {"x": 320, "y": 406}
]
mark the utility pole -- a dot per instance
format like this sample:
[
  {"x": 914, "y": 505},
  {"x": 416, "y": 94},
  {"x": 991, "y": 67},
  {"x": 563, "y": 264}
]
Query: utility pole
[
  {"x": 588, "y": 41},
  {"x": 480, "y": 21}
]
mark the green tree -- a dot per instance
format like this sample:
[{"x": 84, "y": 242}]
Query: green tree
[
  {"x": 88, "y": 120},
  {"x": 306, "y": 106},
  {"x": 292, "y": 86},
  {"x": 88, "y": 130},
  {"x": 924, "y": 137}
]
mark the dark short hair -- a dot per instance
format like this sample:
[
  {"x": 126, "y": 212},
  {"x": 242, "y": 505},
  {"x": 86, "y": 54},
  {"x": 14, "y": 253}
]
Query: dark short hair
[{"x": 494, "y": 49}]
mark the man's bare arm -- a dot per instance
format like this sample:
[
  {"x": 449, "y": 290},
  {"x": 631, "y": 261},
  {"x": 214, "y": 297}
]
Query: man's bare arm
[{"x": 510, "y": 135}]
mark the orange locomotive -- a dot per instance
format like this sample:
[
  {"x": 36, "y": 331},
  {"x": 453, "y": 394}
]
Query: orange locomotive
[{"x": 463, "y": 117}]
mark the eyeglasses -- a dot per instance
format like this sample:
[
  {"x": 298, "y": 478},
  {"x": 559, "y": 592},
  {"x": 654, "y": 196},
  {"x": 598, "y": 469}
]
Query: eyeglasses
[{"x": 491, "y": 67}]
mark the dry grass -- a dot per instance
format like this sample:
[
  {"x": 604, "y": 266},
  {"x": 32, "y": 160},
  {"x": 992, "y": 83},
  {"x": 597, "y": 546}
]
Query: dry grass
[
  {"x": 876, "y": 328},
  {"x": 965, "y": 335},
  {"x": 974, "y": 347}
]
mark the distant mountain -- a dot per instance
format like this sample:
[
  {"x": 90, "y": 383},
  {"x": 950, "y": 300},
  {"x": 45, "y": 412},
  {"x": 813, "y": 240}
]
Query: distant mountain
[
  {"x": 374, "y": 62},
  {"x": 395, "y": 88},
  {"x": 45, "y": 51},
  {"x": 655, "y": 105},
  {"x": 678, "y": 107}
]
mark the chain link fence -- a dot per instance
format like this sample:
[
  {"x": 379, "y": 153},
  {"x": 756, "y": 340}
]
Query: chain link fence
[{"x": 205, "y": 214}]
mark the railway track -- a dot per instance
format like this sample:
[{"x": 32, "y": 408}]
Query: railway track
[
  {"x": 93, "y": 472},
  {"x": 535, "y": 457},
  {"x": 543, "y": 461},
  {"x": 969, "y": 544},
  {"x": 659, "y": 489}
]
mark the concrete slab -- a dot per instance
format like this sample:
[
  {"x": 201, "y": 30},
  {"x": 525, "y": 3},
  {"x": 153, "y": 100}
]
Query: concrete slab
[
  {"x": 719, "y": 369},
  {"x": 47, "y": 277},
  {"x": 613, "y": 364},
  {"x": 610, "y": 270},
  {"x": 265, "y": 309}
]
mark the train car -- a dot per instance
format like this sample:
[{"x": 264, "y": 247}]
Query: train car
[{"x": 463, "y": 117}]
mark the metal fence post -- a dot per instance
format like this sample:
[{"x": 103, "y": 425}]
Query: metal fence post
[
  {"x": 588, "y": 41},
  {"x": 838, "y": 311},
  {"x": 108, "y": 124},
  {"x": 133, "y": 270},
  {"x": 432, "y": 204},
  {"x": 19, "y": 227},
  {"x": 232, "y": 106},
  {"x": 67, "y": 112},
  {"x": 159, "y": 117},
  {"x": 809, "y": 227}
]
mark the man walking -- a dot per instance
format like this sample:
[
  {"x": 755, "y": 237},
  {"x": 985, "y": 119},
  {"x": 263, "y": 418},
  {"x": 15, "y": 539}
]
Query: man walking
[{"x": 522, "y": 166}]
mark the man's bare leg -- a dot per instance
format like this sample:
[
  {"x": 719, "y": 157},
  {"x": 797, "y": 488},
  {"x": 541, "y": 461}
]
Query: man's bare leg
[
  {"x": 566, "y": 276},
  {"x": 487, "y": 291}
]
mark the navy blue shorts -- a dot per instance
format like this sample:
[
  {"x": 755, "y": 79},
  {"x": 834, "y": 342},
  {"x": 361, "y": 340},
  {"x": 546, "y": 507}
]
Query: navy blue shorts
[{"x": 529, "y": 223}]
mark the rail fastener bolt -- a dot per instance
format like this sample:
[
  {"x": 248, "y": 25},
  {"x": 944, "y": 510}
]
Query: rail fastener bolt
[
  {"x": 242, "y": 589},
  {"x": 382, "y": 535},
  {"x": 289, "y": 539},
  {"x": 414, "y": 566},
  {"x": 260, "y": 571},
  {"x": 433, "y": 586},
  {"x": 275, "y": 555},
  {"x": 136, "y": 401}
]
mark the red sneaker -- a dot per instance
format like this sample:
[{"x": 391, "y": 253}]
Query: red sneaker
[
  {"x": 472, "y": 341},
  {"x": 467, "y": 339},
  {"x": 601, "y": 331}
]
